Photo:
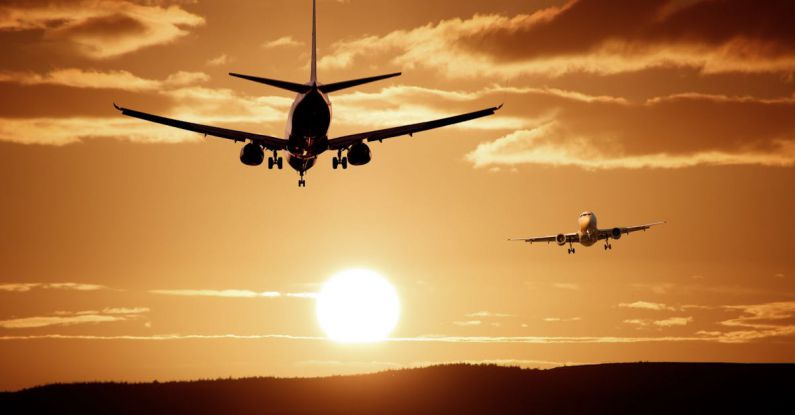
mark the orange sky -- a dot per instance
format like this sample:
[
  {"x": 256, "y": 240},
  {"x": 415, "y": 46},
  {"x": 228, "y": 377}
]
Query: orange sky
[{"x": 118, "y": 237}]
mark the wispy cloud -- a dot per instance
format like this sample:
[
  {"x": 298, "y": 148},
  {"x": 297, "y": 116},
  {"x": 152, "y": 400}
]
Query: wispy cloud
[
  {"x": 760, "y": 321},
  {"x": 668, "y": 322},
  {"x": 219, "y": 60},
  {"x": 284, "y": 41},
  {"x": 67, "y": 318},
  {"x": 122, "y": 80},
  {"x": 468, "y": 323},
  {"x": 29, "y": 286},
  {"x": 646, "y": 305},
  {"x": 489, "y": 314},
  {"x": 561, "y": 319},
  {"x": 639, "y": 35},
  {"x": 233, "y": 293},
  {"x": 99, "y": 29}
]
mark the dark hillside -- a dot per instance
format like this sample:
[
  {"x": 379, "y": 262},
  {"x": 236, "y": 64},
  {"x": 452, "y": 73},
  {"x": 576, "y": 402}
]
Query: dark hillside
[{"x": 453, "y": 389}]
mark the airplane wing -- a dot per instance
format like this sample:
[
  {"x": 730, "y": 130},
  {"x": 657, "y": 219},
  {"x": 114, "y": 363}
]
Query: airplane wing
[
  {"x": 379, "y": 135},
  {"x": 626, "y": 231},
  {"x": 271, "y": 143},
  {"x": 570, "y": 238}
]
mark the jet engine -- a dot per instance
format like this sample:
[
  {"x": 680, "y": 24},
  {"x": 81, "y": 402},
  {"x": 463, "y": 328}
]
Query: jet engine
[
  {"x": 252, "y": 155},
  {"x": 561, "y": 239},
  {"x": 359, "y": 154},
  {"x": 615, "y": 233}
]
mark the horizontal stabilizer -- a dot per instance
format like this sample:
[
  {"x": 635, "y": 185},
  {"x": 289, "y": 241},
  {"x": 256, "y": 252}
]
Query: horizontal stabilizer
[
  {"x": 348, "y": 84},
  {"x": 290, "y": 86}
]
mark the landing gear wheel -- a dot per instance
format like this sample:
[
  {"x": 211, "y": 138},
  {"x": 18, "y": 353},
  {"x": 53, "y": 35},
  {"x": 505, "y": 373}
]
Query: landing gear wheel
[
  {"x": 301, "y": 183},
  {"x": 271, "y": 162},
  {"x": 335, "y": 162},
  {"x": 280, "y": 162},
  {"x": 344, "y": 163}
]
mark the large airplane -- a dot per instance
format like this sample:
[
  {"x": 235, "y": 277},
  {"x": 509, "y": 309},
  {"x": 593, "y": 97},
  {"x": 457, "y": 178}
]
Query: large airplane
[
  {"x": 308, "y": 124},
  {"x": 588, "y": 234}
]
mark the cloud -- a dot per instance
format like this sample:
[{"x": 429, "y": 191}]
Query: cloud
[
  {"x": 29, "y": 286},
  {"x": 561, "y": 319},
  {"x": 468, "y": 323},
  {"x": 669, "y": 322},
  {"x": 645, "y": 305},
  {"x": 675, "y": 131},
  {"x": 219, "y": 60},
  {"x": 760, "y": 321},
  {"x": 284, "y": 41},
  {"x": 121, "y": 80},
  {"x": 489, "y": 314},
  {"x": 100, "y": 29},
  {"x": 233, "y": 293},
  {"x": 125, "y": 310},
  {"x": 594, "y": 37},
  {"x": 67, "y": 318}
]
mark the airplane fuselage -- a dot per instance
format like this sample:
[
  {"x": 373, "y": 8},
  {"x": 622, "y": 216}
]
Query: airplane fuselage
[
  {"x": 307, "y": 129},
  {"x": 588, "y": 232}
]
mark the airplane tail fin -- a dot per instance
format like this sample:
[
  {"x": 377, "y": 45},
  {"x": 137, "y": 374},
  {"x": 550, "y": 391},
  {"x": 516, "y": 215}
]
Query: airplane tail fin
[
  {"x": 302, "y": 88},
  {"x": 354, "y": 82},
  {"x": 313, "y": 75}
]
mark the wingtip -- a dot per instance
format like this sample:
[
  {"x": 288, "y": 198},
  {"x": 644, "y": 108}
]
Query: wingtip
[
  {"x": 499, "y": 107},
  {"x": 116, "y": 106}
]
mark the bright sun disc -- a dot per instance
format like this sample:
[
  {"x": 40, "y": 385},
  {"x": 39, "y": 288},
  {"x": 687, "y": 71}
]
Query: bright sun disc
[{"x": 357, "y": 306}]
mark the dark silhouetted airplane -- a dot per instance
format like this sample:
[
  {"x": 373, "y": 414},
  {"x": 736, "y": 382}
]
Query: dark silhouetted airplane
[{"x": 308, "y": 124}]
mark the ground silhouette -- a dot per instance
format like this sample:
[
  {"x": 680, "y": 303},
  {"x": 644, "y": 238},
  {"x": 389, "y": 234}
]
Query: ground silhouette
[{"x": 448, "y": 389}]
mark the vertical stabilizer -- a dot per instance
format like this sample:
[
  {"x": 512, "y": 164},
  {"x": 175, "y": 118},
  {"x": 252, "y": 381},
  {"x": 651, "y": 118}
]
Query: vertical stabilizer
[{"x": 313, "y": 76}]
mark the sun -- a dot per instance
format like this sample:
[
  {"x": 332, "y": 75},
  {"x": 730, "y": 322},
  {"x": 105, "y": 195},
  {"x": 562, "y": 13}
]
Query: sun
[{"x": 357, "y": 306}]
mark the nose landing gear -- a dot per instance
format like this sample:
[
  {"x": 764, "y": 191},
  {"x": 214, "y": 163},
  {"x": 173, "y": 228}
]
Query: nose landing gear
[{"x": 301, "y": 181}]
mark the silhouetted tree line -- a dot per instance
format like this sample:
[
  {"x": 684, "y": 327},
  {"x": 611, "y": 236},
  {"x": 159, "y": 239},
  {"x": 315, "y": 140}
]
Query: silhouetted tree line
[{"x": 646, "y": 388}]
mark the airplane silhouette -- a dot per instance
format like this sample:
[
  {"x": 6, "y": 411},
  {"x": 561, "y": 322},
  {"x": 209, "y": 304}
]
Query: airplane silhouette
[{"x": 308, "y": 123}]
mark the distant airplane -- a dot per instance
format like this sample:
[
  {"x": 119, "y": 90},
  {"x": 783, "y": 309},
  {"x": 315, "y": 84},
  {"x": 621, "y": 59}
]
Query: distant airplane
[
  {"x": 588, "y": 234},
  {"x": 308, "y": 124}
]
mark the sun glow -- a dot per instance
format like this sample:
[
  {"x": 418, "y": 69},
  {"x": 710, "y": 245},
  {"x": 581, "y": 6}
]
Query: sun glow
[{"x": 357, "y": 306}]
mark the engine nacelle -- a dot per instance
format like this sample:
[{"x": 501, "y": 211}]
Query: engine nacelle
[
  {"x": 252, "y": 155},
  {"x": 561, "y": 239},
  {"x": 359, "y": 154},
  {"x": 615, "y": 233}
]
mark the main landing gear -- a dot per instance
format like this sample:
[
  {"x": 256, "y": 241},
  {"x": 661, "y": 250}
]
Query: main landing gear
[
  {"x": 275, "y": 160},
  {"x": 608, "y": 245},
  {"x": 339, "y": 161},
  {"x": 571, "y": 248}
]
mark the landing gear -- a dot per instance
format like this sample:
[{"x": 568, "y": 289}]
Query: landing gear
[
  {"x": 339, "y": 161},
  {"x": 336, "y": 162},
  {"x": 301, "y": 181},
  {"x": 275, "y": 160},
  {"x": 571, "y": 249},
  {"x": 608, "y": 245}
]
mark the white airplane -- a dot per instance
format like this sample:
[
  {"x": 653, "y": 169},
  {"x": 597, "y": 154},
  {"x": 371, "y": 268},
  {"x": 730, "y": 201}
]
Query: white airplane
[
  {"x": 588, "y": 234},
  {"x": 308, "y": 123}
]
